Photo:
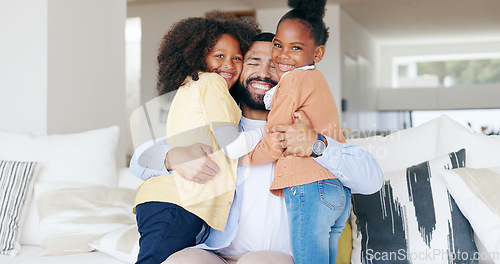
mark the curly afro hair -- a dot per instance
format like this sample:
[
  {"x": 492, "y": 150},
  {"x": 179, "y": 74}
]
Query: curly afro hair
[
  {"x": 184, "y": 48},
  {"x": 310, "y": 13}
]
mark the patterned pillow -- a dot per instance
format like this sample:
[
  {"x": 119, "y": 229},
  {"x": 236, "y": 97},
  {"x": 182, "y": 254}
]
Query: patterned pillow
[
  {"x": 477, "y": 195},
  {"x": 16, "y": 184},
  {"x": 413, "y": 219}
]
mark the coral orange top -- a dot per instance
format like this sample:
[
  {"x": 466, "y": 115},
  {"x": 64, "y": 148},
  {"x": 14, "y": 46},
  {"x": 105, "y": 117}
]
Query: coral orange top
[{"x": 305, "y": 90}]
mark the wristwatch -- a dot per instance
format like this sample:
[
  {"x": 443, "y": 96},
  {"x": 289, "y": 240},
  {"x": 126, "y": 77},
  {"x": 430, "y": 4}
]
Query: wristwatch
[{"x": 318, "y": 146}]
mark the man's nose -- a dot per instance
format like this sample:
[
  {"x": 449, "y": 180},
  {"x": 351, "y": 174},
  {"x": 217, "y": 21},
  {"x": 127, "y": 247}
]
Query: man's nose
[{"x": 264, "y": 70}]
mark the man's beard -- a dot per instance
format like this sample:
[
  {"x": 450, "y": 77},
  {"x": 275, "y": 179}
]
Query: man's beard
[{"x": 241, "y": 94}]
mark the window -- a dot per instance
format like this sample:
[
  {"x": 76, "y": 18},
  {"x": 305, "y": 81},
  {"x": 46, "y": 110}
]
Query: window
[{"x": 446, "y": 70}]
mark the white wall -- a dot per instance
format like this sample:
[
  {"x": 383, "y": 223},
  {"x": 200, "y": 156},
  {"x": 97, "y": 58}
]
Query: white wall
[
  {"x": 86, "y": 62},
  {"x": 331, "y": 65},
  {"x": 358, "y": 67},
  {"x": 268, "y": 18},
  {"x": 64, "y": 66},
  {"x": 23, "y": 66}
]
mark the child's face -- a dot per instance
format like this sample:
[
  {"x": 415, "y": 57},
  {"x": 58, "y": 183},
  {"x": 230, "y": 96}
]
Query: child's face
[
  {"x": 294, "y": 47},
  {"x": 226, "y": 59}
]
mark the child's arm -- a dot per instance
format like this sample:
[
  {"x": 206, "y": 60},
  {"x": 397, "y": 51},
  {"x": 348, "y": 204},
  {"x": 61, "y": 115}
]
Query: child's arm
[
  {"x": 270, "y": 149},
  {"x": 235, "y": 144}
]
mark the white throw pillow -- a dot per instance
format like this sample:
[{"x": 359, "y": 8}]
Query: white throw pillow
[
  {"x": 126, "y": 179},
  {"x": 73, "y": 215},
  {"x": 83, "y": 157},
  {"x": 16, "y": 185},
  {"x": 403, "y": 148},
  {"x": 477, "y": 196},
  {"x": 482, "y": 150},
  {"x": 122, "y": 243},
  {"x": 412, "y": 219}
]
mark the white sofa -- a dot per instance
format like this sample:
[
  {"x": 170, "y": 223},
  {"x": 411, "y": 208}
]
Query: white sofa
[
  {"x": 85, "y": 161},
  {"x": 88, "y": 158},
  {"x": 29, "y": 253}
]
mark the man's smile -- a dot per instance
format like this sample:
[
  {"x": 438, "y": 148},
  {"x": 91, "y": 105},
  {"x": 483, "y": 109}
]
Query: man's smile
[{"x": 265, "y": 86}]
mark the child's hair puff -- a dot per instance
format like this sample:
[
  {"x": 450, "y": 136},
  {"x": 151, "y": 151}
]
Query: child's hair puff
[
  {"x": 184, "y": 48},
  {"x": 310, "y": 13}
]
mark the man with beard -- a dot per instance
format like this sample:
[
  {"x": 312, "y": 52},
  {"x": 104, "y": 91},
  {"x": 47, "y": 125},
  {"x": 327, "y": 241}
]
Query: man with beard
[{"x": 257, "y": 227}]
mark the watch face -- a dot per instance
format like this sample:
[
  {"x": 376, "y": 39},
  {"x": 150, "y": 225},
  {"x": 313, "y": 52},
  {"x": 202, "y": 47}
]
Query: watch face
[{"x": 318, "y": 147}]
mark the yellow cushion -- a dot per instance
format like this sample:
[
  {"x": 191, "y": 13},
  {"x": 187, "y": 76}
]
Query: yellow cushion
[{"x": 345, "y": 245}]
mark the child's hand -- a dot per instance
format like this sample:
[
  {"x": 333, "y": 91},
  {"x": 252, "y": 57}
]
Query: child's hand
[
  {"x": 193, "y": 163},
  {"x": 298, "y": 137}
]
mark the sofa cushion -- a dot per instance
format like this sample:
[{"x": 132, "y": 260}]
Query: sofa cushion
[
  {"x": 126, "y": 179},
  {"x": 87, "y": 157},
  {"x": 29, "y": 255},
  {"x": 122, "y": 243},
  {"x": 72, "y": 215},
  {"x": 482, "y": 150},
  {"x": 16, "y": 184},
  {"x": 413, "y": 217},
  {"x": 404, "y": 148},
  {"x": 476, "y": 193}
]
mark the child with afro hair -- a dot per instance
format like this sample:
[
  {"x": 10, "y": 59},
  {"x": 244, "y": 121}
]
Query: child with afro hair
[{"x": 200, "y": 59}]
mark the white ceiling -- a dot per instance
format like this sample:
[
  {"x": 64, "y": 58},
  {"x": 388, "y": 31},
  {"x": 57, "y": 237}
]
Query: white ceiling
[{"x": 414, "y": 21}]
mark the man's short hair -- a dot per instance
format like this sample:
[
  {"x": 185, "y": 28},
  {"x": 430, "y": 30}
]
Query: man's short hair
[{"x": 264, "y": 36}]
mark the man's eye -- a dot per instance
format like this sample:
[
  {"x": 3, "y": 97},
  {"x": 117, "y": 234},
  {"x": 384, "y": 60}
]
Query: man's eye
[
  {"x": 277, "y": 45},
  {"x": 219, "y": 56},
  {"x": 238, "y": 59},
  {"x": 296, "y": 48}
]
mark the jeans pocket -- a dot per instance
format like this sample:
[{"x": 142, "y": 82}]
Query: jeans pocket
[{"x": 332, "y": 194}]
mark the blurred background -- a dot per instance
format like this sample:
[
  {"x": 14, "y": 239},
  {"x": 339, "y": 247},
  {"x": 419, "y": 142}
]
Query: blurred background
[{"x": 73, "y": 65}]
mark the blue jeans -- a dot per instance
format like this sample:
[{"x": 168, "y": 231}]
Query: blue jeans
[
  {"x": 165, "y": 228},
  {"x": 317, "y": 213}
]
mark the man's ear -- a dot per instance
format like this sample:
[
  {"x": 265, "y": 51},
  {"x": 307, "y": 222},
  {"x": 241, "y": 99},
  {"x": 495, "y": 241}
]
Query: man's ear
[{"x": 319, "y": 52}]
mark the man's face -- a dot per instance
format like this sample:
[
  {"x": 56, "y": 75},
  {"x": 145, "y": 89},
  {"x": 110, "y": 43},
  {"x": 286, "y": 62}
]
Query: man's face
[{"x": 258, "y": 75}]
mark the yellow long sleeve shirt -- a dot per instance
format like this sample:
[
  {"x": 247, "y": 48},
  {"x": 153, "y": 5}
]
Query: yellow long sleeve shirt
[{"x": 198, "y": 108}]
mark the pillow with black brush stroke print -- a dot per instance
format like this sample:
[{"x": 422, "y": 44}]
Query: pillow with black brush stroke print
[{"x": 413, "y": 219}]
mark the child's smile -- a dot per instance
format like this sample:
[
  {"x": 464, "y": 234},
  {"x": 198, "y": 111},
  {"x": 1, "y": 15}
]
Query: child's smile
[
  {"x": 225, "y": 59},
  {"x": 285, "y": 67}
]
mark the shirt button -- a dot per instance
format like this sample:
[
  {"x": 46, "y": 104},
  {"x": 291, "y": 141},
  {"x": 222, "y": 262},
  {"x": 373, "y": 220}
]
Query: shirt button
[{"x": 280, "y": 174}]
